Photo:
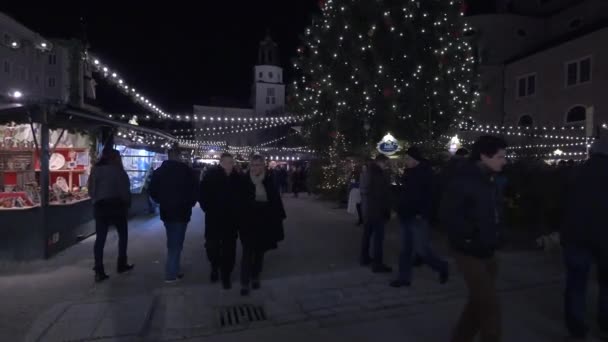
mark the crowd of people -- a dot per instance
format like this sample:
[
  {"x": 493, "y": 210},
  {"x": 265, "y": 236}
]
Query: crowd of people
[
  {"x": 466, "y": 201},
  {"x": 237, "y": 204}
]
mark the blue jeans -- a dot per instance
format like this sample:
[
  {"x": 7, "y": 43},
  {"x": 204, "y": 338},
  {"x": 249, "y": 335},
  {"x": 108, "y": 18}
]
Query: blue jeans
[
  {"x": 375, "y": 229},
  {"x": 176, "y": 233},
  {"x": 416, "y": 237},
  {"x": 578, "y": 263}
]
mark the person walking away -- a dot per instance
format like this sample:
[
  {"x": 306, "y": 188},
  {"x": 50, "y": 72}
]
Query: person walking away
[
  {"x": 584, "y": 237},
  {"x": 174, "y": 188},
  {"x": 472, "y": 214},
  {"x": 262, "y": 226},
  {"x": 375, "y": 202},
  {"x": 110, "y": 191},
  {"x": 296, "y": 181},
  {"x": 220, "y": 198},
  {"x": 354, "y": 197},
  {"x": 414, "y": 209}
]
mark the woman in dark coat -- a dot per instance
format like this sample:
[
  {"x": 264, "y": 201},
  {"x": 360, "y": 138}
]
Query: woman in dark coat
[{"x": 262, "y": 226}]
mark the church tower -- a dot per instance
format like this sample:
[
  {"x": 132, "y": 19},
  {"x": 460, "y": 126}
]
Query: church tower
[{"x": 269, "y": 89}]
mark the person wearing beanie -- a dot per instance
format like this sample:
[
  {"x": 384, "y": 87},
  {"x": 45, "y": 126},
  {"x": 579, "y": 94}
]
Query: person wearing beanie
[
  {"x": 414, "y": 209},
  {"x": 584, "y": 237}
]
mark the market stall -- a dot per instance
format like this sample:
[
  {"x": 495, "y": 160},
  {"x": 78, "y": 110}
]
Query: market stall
[
  {"x": 45, "y": 162},
  {"x": 28, "y": 230}
]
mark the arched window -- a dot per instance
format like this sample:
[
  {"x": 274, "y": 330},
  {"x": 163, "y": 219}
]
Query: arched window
[
  {"x": 576, "y": 114},
  {"x": 525, "y": 121}
]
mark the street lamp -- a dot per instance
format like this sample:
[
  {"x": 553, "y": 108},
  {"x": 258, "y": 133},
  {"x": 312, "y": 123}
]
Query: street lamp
[{"x": 16, "y": 94}]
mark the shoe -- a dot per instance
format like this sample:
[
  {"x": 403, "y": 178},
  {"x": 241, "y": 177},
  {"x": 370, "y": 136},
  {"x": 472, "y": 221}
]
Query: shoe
[
  {"x": 245, "y": 292},
  {"x": 227, "y": 283},
  {"x": 444, "y": 276},
  {"x": 124, "y": 268},
  {"x": 180, "y": 276},
  {"x": 400, "y": 283},
  {"x": 101, "y": 276},
  {"x": 215, "y": 275},
  {"x": 255, "y": 284},
  {"x": 381, "y": 269},
  {"x": 172, "y": 281},
  {"x": 365, "y": 261}
]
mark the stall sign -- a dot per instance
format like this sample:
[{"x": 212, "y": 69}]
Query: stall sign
[{"x": 388, "y": 145}]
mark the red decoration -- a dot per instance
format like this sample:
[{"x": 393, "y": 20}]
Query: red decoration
[
  {"x": 388, "y": 92},
  {"x": 321, "y": 4},
  {"x": 333, "y": 134},
  {"x": 464, "y": 7}
]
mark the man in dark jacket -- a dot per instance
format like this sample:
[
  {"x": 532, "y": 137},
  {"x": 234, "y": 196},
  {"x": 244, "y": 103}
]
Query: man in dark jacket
[
  {"x": 376, "y": 205},
  {"x": 584, "y": 237},
  {"x": 471, "y": 212},
  {"x": 414, "y": 209},
  {"x": 221, "y": 196},
  {"x": 173, "y": 187}
]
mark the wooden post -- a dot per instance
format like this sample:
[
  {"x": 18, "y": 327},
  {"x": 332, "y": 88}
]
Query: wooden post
[{"x": 44, "y": 159}]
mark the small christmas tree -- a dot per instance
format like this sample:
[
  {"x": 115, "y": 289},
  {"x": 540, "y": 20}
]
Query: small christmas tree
[{"x": 335, "y": 172}]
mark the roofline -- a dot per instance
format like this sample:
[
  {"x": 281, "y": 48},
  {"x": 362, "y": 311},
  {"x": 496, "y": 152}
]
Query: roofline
[{"x": 560, "y": 41}]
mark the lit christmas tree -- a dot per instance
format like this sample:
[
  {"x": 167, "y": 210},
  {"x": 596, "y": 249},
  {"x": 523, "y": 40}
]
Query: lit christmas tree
[
  {"x": 335, "y": 176},
  {"x": 368, "y": 67}
]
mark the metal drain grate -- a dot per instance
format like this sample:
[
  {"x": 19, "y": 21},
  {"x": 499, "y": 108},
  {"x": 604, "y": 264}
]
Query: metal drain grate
[{"x": 239, "y": 315}]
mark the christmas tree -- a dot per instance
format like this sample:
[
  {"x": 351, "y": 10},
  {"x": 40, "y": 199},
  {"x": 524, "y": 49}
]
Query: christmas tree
[
  {"x": 335, "y": 173},
  {"x": 367, "y": 67}
]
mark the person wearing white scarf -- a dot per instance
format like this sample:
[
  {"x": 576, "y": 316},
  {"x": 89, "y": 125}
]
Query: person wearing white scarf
[{"x": 260, "y": 189}]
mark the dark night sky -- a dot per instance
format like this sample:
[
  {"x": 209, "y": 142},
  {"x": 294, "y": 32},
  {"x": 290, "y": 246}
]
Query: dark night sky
[{"x": 179, "y": 53}]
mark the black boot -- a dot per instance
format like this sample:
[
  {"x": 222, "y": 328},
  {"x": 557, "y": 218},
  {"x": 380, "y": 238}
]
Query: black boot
[
  {"x": 100, "y": 274},
  {"x": 124, "y": 267},
  {"x": 226, "y": 281},
  {"x": 215, "y": 275}
]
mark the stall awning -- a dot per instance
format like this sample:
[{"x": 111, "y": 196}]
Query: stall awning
[{"x": 111, "y": 122}]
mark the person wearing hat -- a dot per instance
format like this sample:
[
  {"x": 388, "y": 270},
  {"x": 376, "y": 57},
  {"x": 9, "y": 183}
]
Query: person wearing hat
[
  {"x": 414, "y": 209},
  {"x": 584, "y": 237}
]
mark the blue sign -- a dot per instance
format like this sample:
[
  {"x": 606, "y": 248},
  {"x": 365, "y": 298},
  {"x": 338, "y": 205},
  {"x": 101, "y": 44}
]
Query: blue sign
[{"x": 388, "y": 145}]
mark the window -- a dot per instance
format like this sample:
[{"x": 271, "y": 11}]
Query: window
[
  {"x": 37, "y": 80},
  {"x": 261, "y": 74},
  {"x": 52, "y": 59},
  {"x": 271, "y": 75},
  {"x": 23, "y": 73},
  {"x": 576, "y": 114},
  {"x": 578, "y": 72},
  {"x": 7, "y": 39},
  {"x": 270, "y": 92},
  {"x": 274, "y": 100},
  {"x": 51, "y": 82},
  {"x": 526, "y": 86},
  {"x": 525, "y": 121},
  {"x": 280, "y": 77},
  {"x": 7, "y": 67}
]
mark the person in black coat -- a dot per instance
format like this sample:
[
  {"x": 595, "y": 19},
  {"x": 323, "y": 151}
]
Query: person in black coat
[
  {"x": 262, "y": 226},
  {"x": 376, "y": 204},
  {"x": 584, "y": 237},
  {"x": 415, "y": 210},
  {"x": 174, "y": 188},
  {"x": 221, "y": 196},
  {"x": 472, "y": 214}
]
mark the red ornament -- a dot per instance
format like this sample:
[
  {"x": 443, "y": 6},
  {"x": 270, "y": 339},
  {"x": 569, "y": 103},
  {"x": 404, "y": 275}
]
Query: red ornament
[
  {"x": 464, "y": 7},
  {"x": 388, "y": 92}
]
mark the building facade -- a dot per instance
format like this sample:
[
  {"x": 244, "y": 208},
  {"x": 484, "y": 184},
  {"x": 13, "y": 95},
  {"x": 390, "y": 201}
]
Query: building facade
[
  {"x": 32, "y": 67},
  {"x": 268, "y": 99},
  {"x": 542, "y": 62}
]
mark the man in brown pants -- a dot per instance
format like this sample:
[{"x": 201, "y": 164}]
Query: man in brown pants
[{"x": 471, "y": 212}]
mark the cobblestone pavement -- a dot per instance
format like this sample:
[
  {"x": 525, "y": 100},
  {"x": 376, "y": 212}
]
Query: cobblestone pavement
[{"x": 313, "y": 288}]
